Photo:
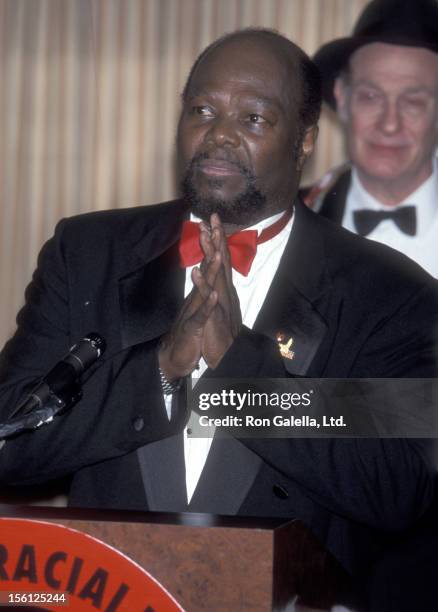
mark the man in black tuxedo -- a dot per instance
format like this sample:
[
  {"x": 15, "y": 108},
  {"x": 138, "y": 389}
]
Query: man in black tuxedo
[{"x": 352, "y": 308}]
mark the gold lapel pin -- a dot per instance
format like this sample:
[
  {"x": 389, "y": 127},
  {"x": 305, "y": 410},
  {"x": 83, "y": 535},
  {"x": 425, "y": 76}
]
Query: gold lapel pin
[{"x": 285, "y": 346}]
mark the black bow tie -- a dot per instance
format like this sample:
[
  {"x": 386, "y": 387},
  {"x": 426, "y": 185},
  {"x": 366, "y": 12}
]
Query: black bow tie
[{"x": 404, "y": 217}]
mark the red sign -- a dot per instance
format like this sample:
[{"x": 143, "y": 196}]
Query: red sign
[{"x": 58, "y": 566}]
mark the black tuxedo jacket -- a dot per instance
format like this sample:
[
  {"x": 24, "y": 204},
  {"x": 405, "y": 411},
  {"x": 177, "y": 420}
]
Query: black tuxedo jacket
[
  {"x": 354, "y": 309},
  {"x": 335, "y": 200}
]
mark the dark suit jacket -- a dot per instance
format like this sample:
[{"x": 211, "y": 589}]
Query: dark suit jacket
[
  {"x": 354, "y": 308},
  {"x": 334, "y": 201}
]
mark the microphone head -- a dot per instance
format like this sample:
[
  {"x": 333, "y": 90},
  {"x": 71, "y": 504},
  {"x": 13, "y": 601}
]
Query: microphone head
[
  {"x": 97, "y": 342},
  {"x": 85, "y": 352}
]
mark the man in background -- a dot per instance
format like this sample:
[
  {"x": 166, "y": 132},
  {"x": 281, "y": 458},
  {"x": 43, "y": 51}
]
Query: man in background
[{"x": 383, "y": 83}]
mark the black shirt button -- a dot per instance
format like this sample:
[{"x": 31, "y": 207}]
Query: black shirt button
[
  {"x": 280, "y": 491},
  {"x": 138, "y": 424}
]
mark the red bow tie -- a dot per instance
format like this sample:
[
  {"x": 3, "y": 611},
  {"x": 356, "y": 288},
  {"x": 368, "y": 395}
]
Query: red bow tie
[{"x": 242, "y": 245}]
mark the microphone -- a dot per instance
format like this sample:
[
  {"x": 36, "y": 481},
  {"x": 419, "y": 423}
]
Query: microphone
[{"x": 64, "y": 374}]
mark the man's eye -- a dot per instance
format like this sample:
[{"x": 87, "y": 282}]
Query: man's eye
[
  {"x": 202, "y": 111},
  {"x": 414, "y": 105},
  {"x": 256, "y": 118},
  {"x": 367, "y": 96}
]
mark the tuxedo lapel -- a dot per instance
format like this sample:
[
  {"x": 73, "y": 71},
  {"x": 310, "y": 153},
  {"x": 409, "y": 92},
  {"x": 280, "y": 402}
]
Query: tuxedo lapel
[
  {"x": 150, "y": 299},
  {"x": 228, "y": 475},
  {"x": 292, "y": 321},
  {"x": 226, "y": 479},
  {"x": 333, "y": 205},
  {"x": 163, "y": 473},
  {"x": 152, "y": 291},
  {"x": 290, "y": 314}
]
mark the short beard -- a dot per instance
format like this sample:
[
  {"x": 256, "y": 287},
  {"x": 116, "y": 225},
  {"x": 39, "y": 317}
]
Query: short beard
[{"x": 241, "y": 210}]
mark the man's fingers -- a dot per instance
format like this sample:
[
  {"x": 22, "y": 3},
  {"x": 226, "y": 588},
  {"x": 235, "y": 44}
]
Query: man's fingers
[
  {"x": 213, "y": 269},
  {"x": 195, "y": 324},
  {"x": 219, "y": 241},
  {"x": 200, "y": 283},
  {"x": 204, "y": 281},
  {"x": 192, "y": 301},
  {"x": 206, "y": 243},
  {"x": 211, "y": 265},
  {"x": 213, "y": 259},
  {"x": 217, "y": 232}
]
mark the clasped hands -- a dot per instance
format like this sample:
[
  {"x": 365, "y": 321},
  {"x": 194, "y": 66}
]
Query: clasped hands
[{"x": 210, "y": 318}]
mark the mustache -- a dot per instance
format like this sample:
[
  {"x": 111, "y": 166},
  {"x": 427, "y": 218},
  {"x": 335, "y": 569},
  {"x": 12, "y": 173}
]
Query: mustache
[{"x": 196, "y": 159}]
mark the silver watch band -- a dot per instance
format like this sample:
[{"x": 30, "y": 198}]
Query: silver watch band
[{"x": 169, "y": 388}]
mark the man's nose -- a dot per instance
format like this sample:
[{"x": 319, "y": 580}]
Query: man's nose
[
  {"x": 390, "y": 117},
  {"x": 223, "y": 132}
]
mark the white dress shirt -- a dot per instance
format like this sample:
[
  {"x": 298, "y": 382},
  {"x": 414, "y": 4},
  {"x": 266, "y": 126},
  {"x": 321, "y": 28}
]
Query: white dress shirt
[
  {"x": 252, "y": 291},
  {"x": 422, "y": 247}
]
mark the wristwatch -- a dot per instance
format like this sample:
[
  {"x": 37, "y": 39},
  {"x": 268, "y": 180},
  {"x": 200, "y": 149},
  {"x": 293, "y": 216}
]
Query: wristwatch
[{"x": 169, "y": 388}]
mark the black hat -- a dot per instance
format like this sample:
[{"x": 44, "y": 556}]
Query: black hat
[{"x": 409, "y": 23}]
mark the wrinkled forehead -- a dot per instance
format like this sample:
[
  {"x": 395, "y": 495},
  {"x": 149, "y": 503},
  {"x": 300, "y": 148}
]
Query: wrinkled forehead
[
  {"x": 386, "y": 63},
  {"x": 256, "y": 64}
]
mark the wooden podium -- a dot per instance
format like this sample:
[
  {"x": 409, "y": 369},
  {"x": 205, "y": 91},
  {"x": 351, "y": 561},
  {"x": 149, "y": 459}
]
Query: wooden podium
[{"x": 213, "y": 563}]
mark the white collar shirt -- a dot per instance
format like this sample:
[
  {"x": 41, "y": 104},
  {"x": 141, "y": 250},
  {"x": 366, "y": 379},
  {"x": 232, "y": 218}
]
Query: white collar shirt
[{"x": 422, "y": 247}]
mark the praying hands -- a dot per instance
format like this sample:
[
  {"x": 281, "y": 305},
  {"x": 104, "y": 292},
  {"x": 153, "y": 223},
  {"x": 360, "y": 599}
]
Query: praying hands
[{"x": 210, "y": 318}]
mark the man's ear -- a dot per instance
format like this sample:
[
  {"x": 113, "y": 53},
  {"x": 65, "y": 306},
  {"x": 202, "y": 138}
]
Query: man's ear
[
  {"x": 308, "y": 144},
  {"x": 341, "y": 95}
]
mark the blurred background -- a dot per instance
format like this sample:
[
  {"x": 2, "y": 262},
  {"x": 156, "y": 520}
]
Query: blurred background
[{"x": 89, "y": 100}]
